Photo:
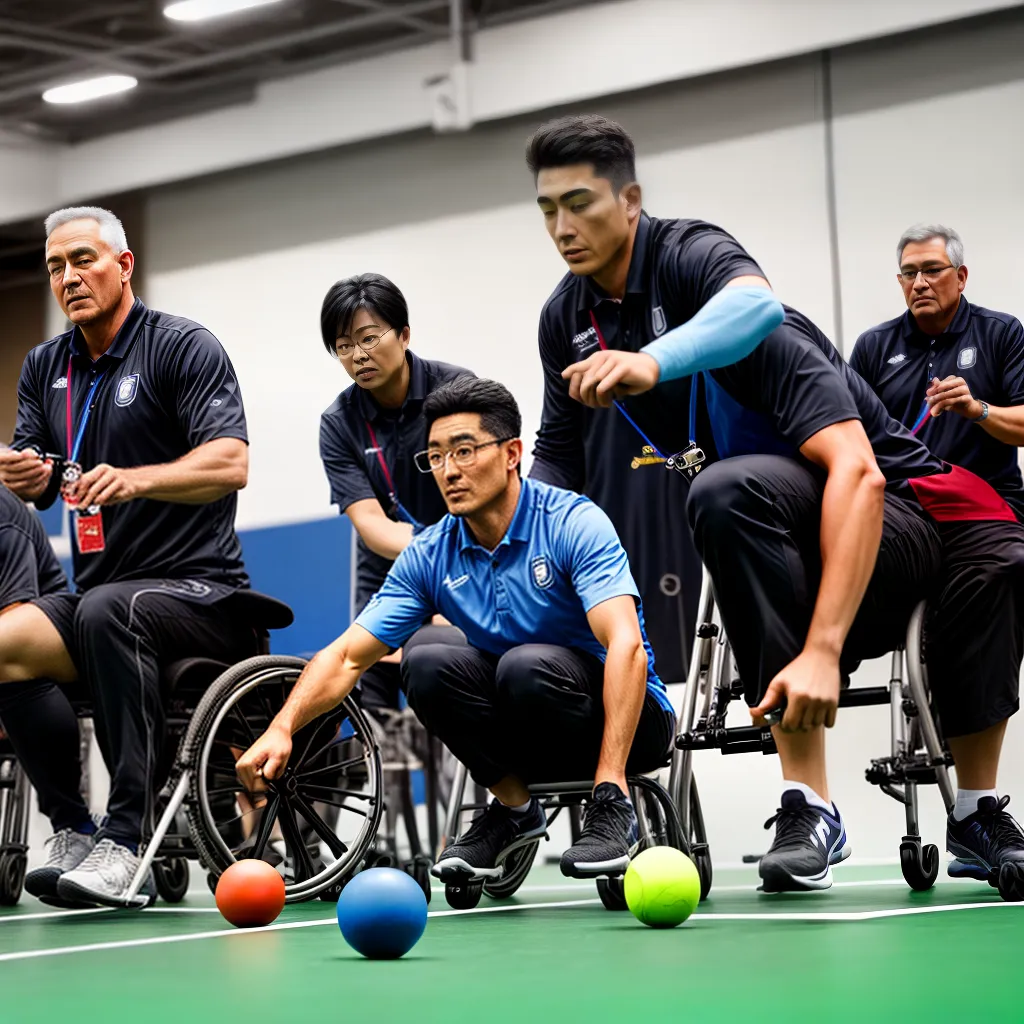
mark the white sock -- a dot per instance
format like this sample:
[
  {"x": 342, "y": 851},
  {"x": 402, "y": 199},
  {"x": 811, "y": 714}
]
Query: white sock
[
  {"x": 522, "y": 808},
  {"x": 967, "y": 801},
  {"x": 809, "y": 795}
]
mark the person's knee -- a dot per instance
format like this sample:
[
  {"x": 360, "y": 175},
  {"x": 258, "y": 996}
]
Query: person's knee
[
  {"x": 99, "y": 610},
  {"x": 522, "y": 675},
  {"x": 716, "y": 497},
  {"x": 423, "y": 673}
]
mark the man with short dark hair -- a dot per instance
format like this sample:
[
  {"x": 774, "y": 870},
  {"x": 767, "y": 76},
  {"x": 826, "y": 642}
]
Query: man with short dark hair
[
  {"x": 953, "y": 372},
  {"x": 806, "y": 498},
  {"x": 555, "y": 681},
  {"x": 142, "y": 410}
]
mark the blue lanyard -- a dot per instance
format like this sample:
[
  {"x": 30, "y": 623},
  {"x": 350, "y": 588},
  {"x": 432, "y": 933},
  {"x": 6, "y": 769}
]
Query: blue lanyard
[
  {"x": 74, "y": 447},
  {"x": 922, "y": 418}
]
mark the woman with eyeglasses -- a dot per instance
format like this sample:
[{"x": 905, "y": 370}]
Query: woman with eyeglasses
[{"x": 369, "y": 437}]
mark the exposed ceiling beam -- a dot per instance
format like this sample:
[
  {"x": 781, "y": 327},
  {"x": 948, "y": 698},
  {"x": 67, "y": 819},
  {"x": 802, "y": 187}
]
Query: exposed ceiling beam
[{"x": 395, "y": 14}]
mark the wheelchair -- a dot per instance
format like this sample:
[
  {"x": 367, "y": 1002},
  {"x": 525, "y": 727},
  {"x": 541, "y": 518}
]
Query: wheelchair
[
  {"x": 15, "y": 798},
  {"x": 917, "y": 756}
]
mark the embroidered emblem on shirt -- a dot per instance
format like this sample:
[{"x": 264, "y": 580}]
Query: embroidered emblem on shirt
[
  {"x": 454, "y": 584},
  {"x": 896, "y": 359},
  {"x": 658, "y": 321},
  {"x": 542, "y": 574},
  {"x": 581, "y": 340},
  {"x": 127, "y": 389},
  {"x": 967, "y": 358},
  {"x": 60, "y": 382}
]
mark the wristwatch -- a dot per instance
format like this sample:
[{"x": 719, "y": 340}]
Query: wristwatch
[{"x": 984, "y": 413}]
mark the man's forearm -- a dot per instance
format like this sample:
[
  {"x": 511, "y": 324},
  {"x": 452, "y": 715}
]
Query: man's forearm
[
  {"x": 205, "y": 474},
  {"x": 625, "y": 683},
  {"x": 385, "y": 537},
  {"x": 1005, "y": 423},
  {"x": 852, "y": 508},
  {"x": 325, "y": 682}
]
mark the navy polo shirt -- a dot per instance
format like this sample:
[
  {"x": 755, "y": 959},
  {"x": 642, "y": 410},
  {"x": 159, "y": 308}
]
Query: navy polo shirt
[
  {"x": 986, "y": 348},
  {"x": 558, "y": 559},
  {"x": 356, "y": 433},
  {"x": 28, "y": 566},
  {"x": 165, "y": 386}
]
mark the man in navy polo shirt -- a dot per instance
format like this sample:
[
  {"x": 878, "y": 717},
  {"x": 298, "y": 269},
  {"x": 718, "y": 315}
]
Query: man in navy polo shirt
[
  {"x": 811, "y": 522},
  {"x": 370, "y": 434},
  {"x": 146, "y": 410},
  {"x": 556, "y": 679},
  {"x": 953, "y": 373}
]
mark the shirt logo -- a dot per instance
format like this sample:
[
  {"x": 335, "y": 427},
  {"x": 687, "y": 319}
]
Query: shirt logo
[
  {"x": 967, "y": 358},
  {"x": 127, "y": 388},
  {"x": 454, "y": 584},
  {"x": 897, "y": 359},
  {"x": 658, "y": 321},
  {"x": 542, "y": 574},
  {"x": 581, "y": 341},
  {"x": 60, "y": 382}
]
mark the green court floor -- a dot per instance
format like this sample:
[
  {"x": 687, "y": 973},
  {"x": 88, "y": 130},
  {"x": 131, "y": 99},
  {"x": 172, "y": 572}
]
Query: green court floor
[{"x": 868, "y": 950}]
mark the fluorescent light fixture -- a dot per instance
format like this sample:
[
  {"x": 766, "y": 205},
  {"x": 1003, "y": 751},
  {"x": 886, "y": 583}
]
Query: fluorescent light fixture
[
  {"x": 200, "y": 10},
  {"x": 90, "y": 89}
]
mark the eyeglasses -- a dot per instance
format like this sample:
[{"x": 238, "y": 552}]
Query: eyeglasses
[
  {"x": 930, "y": 273},
  {"x": 346, "y": 348},
  {"x": 433, "y": 460}
]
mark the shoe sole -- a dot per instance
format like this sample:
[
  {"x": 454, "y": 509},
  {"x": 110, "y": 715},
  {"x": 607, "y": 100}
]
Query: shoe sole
[
  {"x": 594, "y": 869},
  {"x": 69, "y": 890},
  {"x": 42, "y": 885},
  {"x": 53, "y": 900},
  {"x": 783, "y": 881},
  {"x": 455, "y": 868}
]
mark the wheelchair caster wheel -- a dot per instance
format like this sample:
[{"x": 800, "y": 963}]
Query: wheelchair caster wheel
[
  {"x": 1010, "y": 882},
  {"x": 701, "y": 857},
  {"x": 419, "y": 869},
  {"x": 172, "y": 879},
  {"x": 920, "y": 864},
  {"x": 12, "y": 876},
  {"x": 612, "y": 892},
  {"x": 463, "y": 895},
  {"x": 332, "y": 893},
  {"x": 211, "y": 882}
]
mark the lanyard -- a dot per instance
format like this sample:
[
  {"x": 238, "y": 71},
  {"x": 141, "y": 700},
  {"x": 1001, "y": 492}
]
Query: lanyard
[
  {"x": 922, "y": 418},
  {"x": 72, "y": 448},
  {"x": 399, "y": 508}
]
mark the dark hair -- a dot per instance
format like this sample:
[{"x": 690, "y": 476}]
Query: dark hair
[
  {"x": 584, "y": 139},
  {"x": 499, "y": 413},
  {"x": 364, "y": 291}
]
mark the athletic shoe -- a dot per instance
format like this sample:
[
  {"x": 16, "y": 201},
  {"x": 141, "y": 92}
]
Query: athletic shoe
[
  {"x": 608, "y": 837},
  {"x": 65, "y": 851},
  {"x": 808, "y": 841},
  {"x": 104, "y": 878},
  {"x": 984, "y": 841},
  {"x": 490, "y": 838}
]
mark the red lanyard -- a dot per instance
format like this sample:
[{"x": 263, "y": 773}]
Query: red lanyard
[{"x": 392, "y": 493}]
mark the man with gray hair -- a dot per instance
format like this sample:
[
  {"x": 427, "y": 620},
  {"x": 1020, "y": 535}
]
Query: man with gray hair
[
  {"x": 953, "y": 373},
  {"x": 134, "y": 417}
]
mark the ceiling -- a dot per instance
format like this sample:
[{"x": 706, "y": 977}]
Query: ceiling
[{"x": 185, "y": 68}]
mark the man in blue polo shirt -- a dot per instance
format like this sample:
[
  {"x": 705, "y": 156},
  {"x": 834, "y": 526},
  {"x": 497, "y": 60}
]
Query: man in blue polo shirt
[
  {"x": 556, "y": 680},
  {"x": 953, "y": 372}
]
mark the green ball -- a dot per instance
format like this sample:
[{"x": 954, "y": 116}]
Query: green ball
[{"x": 662, "y": 887}]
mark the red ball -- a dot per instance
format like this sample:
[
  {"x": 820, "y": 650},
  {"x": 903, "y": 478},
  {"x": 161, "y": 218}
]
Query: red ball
[{"x": 250, "y": 894}]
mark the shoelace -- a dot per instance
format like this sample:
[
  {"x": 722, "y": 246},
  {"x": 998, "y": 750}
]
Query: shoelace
[
  {"x": 1000, "y": 826},
  {"x": 103, "y": 855},
  {"x": 792, "y": 827},
  {"x": 495, "y": 821},
  {"x": 606, "y": 819},
  {"x": 58, "y": 846}
]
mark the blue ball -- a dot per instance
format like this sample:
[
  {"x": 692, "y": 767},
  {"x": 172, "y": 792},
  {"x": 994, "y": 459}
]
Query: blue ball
[{"x": 382, "y": 913}]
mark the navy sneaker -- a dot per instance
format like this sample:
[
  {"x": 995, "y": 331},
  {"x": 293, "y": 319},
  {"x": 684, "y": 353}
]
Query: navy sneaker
[
  {"x": 491, "y": 837},
  {"x": 608, "y": 838},
  {"x": 984, "y": 841},
  {"x": 808, "y": 841}
]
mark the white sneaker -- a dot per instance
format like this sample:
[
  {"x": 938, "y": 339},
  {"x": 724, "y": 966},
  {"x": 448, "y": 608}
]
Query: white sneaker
[
  {"x": 65, "y": 850},
  {"x": 105, "y": 876}
]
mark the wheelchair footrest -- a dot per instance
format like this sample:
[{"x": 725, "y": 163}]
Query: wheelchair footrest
[{"x": 748, "y": 739}]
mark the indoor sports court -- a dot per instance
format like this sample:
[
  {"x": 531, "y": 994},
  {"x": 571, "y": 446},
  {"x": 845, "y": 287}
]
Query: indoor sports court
[{"x": 511, "y": 508}]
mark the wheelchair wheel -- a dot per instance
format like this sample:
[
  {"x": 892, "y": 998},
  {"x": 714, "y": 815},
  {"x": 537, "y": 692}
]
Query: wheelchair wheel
[
  {"x": 419, "y": 868},
  {"x": 13, "y": 863},
  {"x": 699, "y": 852},
  {"x": 172, "y": 879},
  {"x": 920, "y": 864},
  {"x": 612, "y": 892},
  {"x": 317, "y": 822},
  {"x": 517, "y": 866},
  {"x": 463, "y": 895}
]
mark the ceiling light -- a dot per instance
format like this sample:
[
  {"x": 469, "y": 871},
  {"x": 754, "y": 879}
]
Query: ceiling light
[
  {"x": 90, "y": 89},
  {"x": 200, "y": 10}
]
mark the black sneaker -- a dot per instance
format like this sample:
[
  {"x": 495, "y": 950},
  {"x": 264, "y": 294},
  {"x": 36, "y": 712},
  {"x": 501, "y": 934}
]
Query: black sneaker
[
  {"x": 984, "y": 841},
  {"x": 608, "y": 837},
  {"x": 490, "y": 838},
  {"x": 808, "y": 841}
]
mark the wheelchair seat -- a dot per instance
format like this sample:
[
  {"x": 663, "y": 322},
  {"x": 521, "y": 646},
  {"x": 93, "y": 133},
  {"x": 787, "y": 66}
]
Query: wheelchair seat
[
  {"x": 261, "y": 610},
  {"x": 188, "y": 673}
]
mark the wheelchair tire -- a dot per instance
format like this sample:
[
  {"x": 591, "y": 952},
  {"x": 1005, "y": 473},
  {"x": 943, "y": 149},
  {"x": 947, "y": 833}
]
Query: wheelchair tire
[
  {"x": 419, "y": 868},
  {"x": 517, "y": 867},
  {"x": 172, "y": 878},
  {"x": 232, "y": 713},
  {"x": 920, "y": 864},
  {"x": 463, "y": 895},
  {"x": 612, "y": 892},
  {"x": 13, "y": 864}
]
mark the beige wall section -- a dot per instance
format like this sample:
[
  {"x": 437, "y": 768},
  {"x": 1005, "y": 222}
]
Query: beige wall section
[{"x": 22, "y": 326}]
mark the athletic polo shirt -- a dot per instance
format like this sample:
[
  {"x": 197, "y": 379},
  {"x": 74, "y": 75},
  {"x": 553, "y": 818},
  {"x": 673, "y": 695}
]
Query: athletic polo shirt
[
  {"x": 986, "y": 348},
  {"x": 164, "y": 387},
  {"x": 28, "y": 566},
  {"x": 356, "y": 433},
  {"x": 558, "y": 559}
]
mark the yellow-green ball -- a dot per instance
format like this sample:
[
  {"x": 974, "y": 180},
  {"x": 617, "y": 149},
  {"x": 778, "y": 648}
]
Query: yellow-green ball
[{"x": 662, "y": 887}]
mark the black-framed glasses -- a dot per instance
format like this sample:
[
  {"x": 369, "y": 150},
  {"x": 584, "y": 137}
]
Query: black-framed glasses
[
  {"x": 346, "y": 348},
  {"x": 930, "y": 273},
  {"x": 434, "y": 460}
]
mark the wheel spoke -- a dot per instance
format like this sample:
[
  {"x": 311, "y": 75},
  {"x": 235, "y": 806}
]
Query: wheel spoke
[
  {"x": 293, "y": 839},
  {"x": 314, "y": 732},
  {"x": 319, "y": 826},
  {"x": 237, "y": 713},
  {"x": 341, "y": 766},
  {"x": 324, "y": 793},
  {"x": 266, "y": 826}
]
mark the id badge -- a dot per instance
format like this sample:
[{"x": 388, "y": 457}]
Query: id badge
[
  {"x": 69, "y": 476},
  {"x": 89, "y": 531},
  {"x": 688, "y": 461}
]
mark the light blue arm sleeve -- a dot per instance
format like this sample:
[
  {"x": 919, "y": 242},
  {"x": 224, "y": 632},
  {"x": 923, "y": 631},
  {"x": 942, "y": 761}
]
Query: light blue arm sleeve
[{"x": 727, "y": 328}]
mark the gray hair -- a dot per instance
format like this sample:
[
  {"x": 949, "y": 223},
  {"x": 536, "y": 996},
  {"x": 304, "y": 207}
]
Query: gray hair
[
  {"x": 923, "y": 232},
  {"x": 111, "y": 229}
]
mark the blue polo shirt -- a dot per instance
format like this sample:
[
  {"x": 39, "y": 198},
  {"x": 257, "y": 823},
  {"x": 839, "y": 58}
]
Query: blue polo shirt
[
  {"x": 898, "y": 360},
  {"x": 558, "y": 559}
]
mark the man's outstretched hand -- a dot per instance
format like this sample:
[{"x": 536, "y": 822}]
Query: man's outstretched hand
[
  {"x": 265, "y": 759},
  {"x": 601, "y": 378},
  {"x": 809, "y": 685}
]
